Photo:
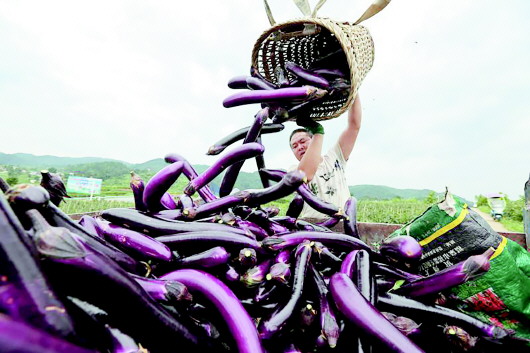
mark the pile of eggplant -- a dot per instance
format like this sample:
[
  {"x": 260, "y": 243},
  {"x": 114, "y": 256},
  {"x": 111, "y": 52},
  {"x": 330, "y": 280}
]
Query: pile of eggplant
[{"x": 224, "y": 273}]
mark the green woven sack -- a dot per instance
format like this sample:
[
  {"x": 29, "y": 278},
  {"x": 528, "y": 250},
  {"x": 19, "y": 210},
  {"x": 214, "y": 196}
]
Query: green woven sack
[{"x": 449, "y": 232}]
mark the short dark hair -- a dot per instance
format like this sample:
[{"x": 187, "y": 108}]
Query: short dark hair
[{"x": 297, "y": 131}]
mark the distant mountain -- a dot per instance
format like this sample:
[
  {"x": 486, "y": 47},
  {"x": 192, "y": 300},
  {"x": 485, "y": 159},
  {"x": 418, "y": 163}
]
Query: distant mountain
[
  {"x": 30, "y": 160},
  {"x": 380, "y": 192}
]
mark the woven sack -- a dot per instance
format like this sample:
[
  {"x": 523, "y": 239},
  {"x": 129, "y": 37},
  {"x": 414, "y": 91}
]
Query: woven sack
[{"x": 307, "y": 40}]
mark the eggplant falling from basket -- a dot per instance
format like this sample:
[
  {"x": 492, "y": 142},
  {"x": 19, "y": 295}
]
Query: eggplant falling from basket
[{"x": 314, "y": 43}]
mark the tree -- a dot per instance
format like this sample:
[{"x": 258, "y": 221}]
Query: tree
[{"x": 431, "y": 198}]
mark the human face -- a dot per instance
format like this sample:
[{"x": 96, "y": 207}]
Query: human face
[{"x": 299, "y": 144}]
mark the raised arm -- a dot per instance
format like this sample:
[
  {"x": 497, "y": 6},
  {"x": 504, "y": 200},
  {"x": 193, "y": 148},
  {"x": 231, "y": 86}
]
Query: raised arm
[
  {"x": 312, "y": 157},
  {"x": 349, "y": 135}
]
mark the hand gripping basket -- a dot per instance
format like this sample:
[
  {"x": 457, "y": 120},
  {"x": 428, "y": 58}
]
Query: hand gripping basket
[{"x": 311, "y": 41}]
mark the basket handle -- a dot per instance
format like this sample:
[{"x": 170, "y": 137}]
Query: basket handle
[{"x": 303, "y": 5}]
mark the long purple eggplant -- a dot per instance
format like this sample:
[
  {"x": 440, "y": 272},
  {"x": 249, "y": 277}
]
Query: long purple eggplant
[
  {"x": 295, "y": 206},
  {"x": 245, "y": 151},
  {"x": 92, "y": 225},
  {"x": 270, "y": 326},
  {"x": 394, "y": 273},
  {"x": 225, "y": 301},
  {"x": 402, "y": 251},
  {"x": 357, "y": 266},
  {"x": 224, "y": 239},
  {"x": 274, "y": 174},
  {"x": 255, "y": 275},
  {"x": 328, "y": 322},
  {"x": 137, "y": 186},
  {"x": 311, "y": 78},
  {"x": 226, "y": 141},
  {"x": 159, "y": 184},
  {"x": 260, "y": 164},
  {"x": 74, "y": 273},
  {"x": 155, "y": 227},
  {"x": 276, "y": 95},
  {"x": 257, "y": 84},
  {"x": 187, "y": 169},
  {"x": 168, "y": 291},
  {"x": 18, "y": 336},
  {"x": 350, "y": 217},
  {"x": 137, "y": 244},
  {"x": 238, "y": 82},
  {"x": 356, "y": 309},
  {"x": 36, "y": 302},
  {"x": 206, "y": 259},
  {"x": 316, "y": 203},
  {"x": 26, "y": 196},
  {"x": 58, "y": 218},
  {"x": 290, "y": 182},
  {"x": 469, "y": 269},
  {"x": 413, "y": 308},
  {"x": 231, "y": 174},
  {"x": 219, "y": 205},
  {"x": 253, "y": 228},
  {"x": 4, "y": 186},
  {"x": 281, "y": 242}
]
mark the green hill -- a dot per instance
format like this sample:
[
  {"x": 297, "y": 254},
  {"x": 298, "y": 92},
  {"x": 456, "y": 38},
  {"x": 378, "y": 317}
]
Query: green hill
[
  {"x": 380, "y": 192},
  {"x": 30, "y": 160}
]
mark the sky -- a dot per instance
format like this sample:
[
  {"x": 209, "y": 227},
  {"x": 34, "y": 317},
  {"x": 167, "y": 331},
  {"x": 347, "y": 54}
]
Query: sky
[{"x": 445, "y": 105}]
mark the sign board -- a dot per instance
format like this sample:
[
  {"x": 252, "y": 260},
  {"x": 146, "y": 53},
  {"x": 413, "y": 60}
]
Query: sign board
[{"x": 83, "y": 185}]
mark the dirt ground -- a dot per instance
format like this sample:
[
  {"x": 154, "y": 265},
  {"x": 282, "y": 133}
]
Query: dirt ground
[{"x": 498, "y": 227}]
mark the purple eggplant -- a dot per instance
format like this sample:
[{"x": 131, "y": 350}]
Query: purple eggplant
[
  {"x": 92, "y": 225},
  {"x": 36, "y": 302},
  {"x": 225, "y": 301},
  {"x": 276, "y": 95},
  {"x": 156, "y": 226},
  {"x": 404, "y": 324},
  {"x": 223, "y": 143},
  {"x": 330, "y": 73},
  {"x": 56, "y": 216},
  {"x": 292, "y": 239},
  {"x": 283, "y": 256},
  {"x": 245, "y": 151},
  {"x": 308, "y": 226},
  {"x": 330, "y": 222},
  {"x": 357, "y": 310},
  {"x": 328, "y": 322},
  {"x": 402, "y": 251},
  {"x": 258, "y": 84},
  {"x": 324, "y": 252},
  {"x": 247, "y": 258},
  {"x": 284, "y": 187},
  {"x": 74, "y": 273},
  {"x": 231, "y": 174},
  {"x": 270, "y": 326},
  {"x": 238, "y": 82},
  {"x": 274, "y": 174},
  {"x": 394, "y": 273},
  {"x": 164, "y": 290},
  {"x": 256, "y": 274},
  {"x": 159, "y": 184},
  {"x": 316, "y": 203},
  {"x": 279, "y": 271},
  {"x": 261, "y": 218},
  {"x": 311, "y": 78},
  {"x": 4, "y": 186},
  {"x": 295, "y": 206},
  {"x": 206, "y": 259},
  {"x": 219, "y": 205},
  {"x": 137, "y": 244},
  {"x": 18, "y": 336},
  {"x": 459, "y": 337},
  {"x": 187, "y": 169},
  {"x": 226, "y": 239},
  {"x": 137, "y": 186},
  {"x": 399, "y": 304},
  {"x": 122, "y": 343},
  {"x": 350, "y": 217},
  {"x": 469, "y": 269},
  {"x": 251, "y": 227},
  {"x": 24, "y": 197},
  {"x": 260, "y": 164}
]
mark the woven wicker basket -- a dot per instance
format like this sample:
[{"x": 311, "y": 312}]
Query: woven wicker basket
[{"x": 305, "y": 40}]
